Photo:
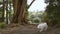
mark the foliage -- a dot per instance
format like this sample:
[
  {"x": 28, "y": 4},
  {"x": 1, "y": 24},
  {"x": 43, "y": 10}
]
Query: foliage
[
  {"x": 35, "y": 17},
  {"x": 53, "y": 12},
  {"x": 43, "y": 19},
  {"x": 36, "y": 20}
]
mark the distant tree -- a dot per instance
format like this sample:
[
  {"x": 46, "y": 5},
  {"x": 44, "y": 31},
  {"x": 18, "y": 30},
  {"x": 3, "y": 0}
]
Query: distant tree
[{"x": 3, "y": 10}]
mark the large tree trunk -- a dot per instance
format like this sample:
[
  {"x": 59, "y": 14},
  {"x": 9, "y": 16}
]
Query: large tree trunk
[{"x": 19, "y": 11}]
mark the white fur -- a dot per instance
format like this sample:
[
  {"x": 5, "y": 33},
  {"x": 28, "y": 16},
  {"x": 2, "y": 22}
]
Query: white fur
[{"x": 42, "y": 27}]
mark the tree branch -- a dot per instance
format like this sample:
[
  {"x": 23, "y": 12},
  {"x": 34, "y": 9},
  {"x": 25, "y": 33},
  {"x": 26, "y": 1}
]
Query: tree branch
[{"x": 30, "y": 4}]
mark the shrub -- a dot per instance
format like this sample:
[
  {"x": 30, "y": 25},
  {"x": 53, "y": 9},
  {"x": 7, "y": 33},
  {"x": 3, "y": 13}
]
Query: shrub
[{"x": 36, "y": 20}]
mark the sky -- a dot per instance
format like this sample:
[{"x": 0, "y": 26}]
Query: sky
[{"x": 38, "y": 5}]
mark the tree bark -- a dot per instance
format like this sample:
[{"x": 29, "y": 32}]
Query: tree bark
[
  {"x": 20, "y": 8},
  {"x": 3, "y": 10},
  {"x": 19, "y": 11}
]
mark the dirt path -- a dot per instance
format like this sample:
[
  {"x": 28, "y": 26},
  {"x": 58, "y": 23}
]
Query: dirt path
[{"x": 31, "y": 30}]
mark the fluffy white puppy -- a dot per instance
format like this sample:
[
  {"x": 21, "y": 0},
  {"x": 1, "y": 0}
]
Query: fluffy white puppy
[{"x": 42, "y": 27}]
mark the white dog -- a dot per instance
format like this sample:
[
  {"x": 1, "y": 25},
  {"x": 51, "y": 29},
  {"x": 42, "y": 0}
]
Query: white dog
[{"x": 42, "y": 27}]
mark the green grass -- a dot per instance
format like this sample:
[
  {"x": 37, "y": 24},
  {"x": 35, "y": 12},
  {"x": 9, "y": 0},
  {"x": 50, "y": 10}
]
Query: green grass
[{"x": 3, "y": 25}]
